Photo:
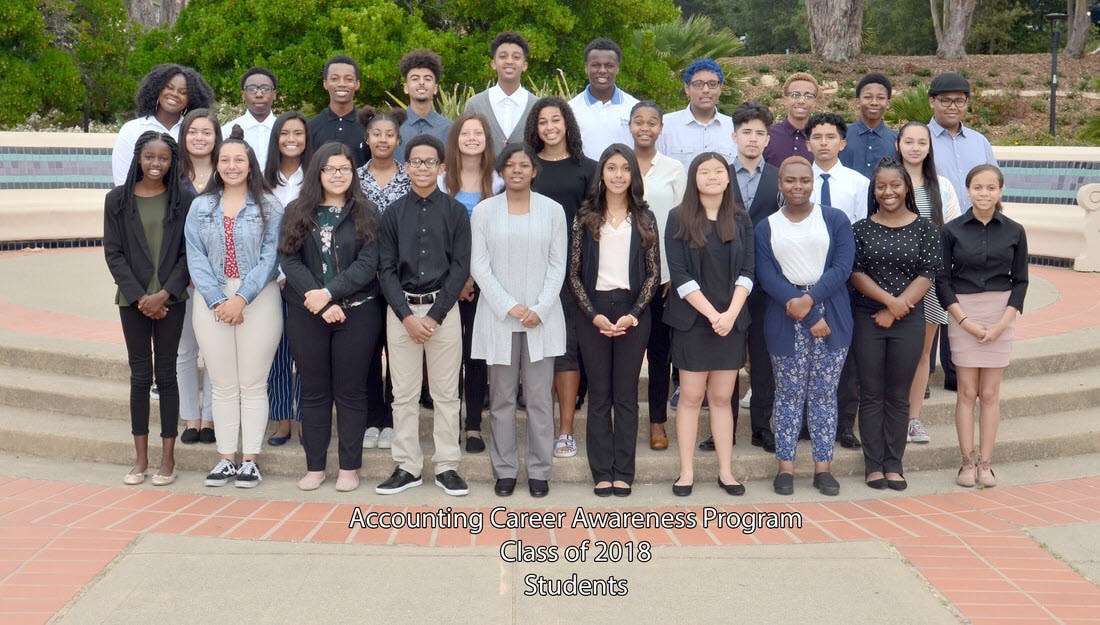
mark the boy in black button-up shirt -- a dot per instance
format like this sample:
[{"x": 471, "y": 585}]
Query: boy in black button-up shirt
[{"x": 424, "y": 247}]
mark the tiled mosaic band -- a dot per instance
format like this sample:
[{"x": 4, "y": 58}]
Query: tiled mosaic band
[
  {"x": 1047, "y": 182},
  {"x": 55, "y": 168}
]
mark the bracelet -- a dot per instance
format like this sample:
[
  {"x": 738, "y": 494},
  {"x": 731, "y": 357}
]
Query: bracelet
[
  {"x": 963, "y": 320},
  {"x": 634, "y": 320}
]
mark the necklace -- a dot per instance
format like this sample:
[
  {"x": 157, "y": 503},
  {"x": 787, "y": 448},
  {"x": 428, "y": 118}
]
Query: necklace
[{"x": 615, "y": 220}]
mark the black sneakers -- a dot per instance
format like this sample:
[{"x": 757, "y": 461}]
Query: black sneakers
[
  {"x": 400, "y": 481},
  {"x": 248, "y": 476},
  {"x": 221, "y": 473},
  {"x": 451, "y": 483}
]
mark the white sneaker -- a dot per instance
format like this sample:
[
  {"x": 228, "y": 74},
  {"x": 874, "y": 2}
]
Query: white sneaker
[
  {"x": 747, "y": 399},
  {"x": 221, "y": 473},
  {"x": 917, "y": 433},
  {"x": 370, "y": 438},
  {"x": 248, "y": 476},
  {"x": 385, "y": 438}
]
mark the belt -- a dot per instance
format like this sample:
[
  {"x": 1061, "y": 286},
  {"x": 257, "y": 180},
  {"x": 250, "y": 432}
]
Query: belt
[
  {"x": 803, "y": 287},
  {"x": 426, "y": 298}
]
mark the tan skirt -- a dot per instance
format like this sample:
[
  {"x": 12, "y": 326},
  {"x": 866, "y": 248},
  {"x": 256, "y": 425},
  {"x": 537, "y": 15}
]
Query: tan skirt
[{"x": 986, "y": 308}]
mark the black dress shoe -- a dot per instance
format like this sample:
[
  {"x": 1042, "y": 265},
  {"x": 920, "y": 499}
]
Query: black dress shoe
[
  {"x": 951, "y": 386},
  {"x": 783, "y": 484},
  {"x": 620, "y": 491},
  {"x": 505, "y": 486},
  {"x": 426, "y": 399},
  {"x": 681, "y": 491},
  {"x": 538, "y": 488},
  {"x": 604, "y": 491},
  {"x": 764, "y": 439},
  {"x": 521, "y": 401},
  {"x": 732, "y": 489},
  {"x": 579, "y": 402},
  {"x": 897, "y": 484},
  {"x": 206, "y": 435},
  {"x": 707, "y": 445},
  {"x": 189, "y": 436},
  {"x": 847, "y": 439},
  {"x": 475, "y": 444}
]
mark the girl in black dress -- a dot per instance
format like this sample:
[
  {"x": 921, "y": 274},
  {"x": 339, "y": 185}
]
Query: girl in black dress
[{"x": 709, "y": 246}]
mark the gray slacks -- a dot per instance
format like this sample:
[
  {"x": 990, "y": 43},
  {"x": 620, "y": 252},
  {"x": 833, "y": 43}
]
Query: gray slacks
[{"x": 538, "y": 378}]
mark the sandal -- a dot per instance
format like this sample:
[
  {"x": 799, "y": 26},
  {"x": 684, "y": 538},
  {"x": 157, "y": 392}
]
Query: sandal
[{"x": 566, "y": 447}]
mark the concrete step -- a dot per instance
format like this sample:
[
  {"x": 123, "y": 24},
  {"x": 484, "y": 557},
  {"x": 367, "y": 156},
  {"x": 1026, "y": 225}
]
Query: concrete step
[
  {"x": 108, "y": 399},
  {"x": 68, "y": 437}
]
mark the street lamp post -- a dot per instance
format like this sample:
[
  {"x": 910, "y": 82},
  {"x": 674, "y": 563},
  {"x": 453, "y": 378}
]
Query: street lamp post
[{"x": 1057, "y": 20}]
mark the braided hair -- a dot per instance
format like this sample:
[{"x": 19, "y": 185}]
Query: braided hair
[{"x": 176, "y": 209}]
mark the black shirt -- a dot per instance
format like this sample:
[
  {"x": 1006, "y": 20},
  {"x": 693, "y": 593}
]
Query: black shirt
[
  {"x": 981, "y": 257},
  {"x": 566, "y": 182},
  {"x": 424, "y": 246},
  {"x": 894, "y": 257},
  {"x": 328, "y": 126}
]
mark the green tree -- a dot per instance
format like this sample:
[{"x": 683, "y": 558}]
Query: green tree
[
  {"x": 37, "y": 78},
  {"x": 901, "y": 27},
  {"x": 770, "y": 26}
]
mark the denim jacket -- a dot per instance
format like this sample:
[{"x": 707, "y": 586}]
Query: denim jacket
[{"x": 256, "y": 245}]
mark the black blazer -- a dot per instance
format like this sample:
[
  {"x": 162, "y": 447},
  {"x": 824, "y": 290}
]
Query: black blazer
[
  {"x": 685, "y": 266},
  {"x": 766, "y": 201},
  {"x": 584, "y": 265},
  {"x": 127, "y": 250},
  {"x": 356, "y": 277}
]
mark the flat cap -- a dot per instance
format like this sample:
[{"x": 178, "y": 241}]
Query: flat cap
[{"x": 949, "y": 83}]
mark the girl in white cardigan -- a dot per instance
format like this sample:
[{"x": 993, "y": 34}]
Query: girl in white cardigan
[{"x": 518, "y": 261}]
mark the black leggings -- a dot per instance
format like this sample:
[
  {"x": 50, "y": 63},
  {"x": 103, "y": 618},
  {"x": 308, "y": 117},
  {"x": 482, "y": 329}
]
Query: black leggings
[{"x": 151, "y": 346}]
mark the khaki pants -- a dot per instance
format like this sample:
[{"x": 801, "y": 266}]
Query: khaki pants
[{"x": 444, "y": 355}]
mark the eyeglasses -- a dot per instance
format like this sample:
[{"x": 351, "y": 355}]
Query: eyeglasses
[
  {"x": 709, "y": 84},
  {"x": 254, "y": 89},
  {"x": 329, "y": 170},
  {"x": 423, "y": 162},
  {"x": 796, "y": 95},
  {"x": 951, "y": 102}
]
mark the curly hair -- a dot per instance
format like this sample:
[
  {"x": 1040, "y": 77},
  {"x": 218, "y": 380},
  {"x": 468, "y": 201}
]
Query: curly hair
[
  {"x": 189, "y": 119},
  {"x": 274, "y": 157},
  {"x": 593, "y": 210},
  {"x": 298, "y": 217},
  {"x": 572, "y": 129},
  {"x": 199, "y": 94},
  {"x": 171, "y": 178},
  {"x": 421, "y": 58},
  {"x": 512, "y": 37},
  {"x": 819, "y": 119}
]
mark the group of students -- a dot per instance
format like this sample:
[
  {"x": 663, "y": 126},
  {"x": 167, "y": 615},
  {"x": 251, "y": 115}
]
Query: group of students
[{"x": 580, "y": 235}]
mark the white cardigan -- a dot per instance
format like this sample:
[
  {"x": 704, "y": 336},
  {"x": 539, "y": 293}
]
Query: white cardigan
[{"x": 532, "y": 259}]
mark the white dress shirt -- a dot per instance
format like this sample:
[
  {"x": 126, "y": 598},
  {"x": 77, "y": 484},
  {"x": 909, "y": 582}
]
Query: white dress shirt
[
  {"x": 603, "y": 123},
  {"x": 847, "y": 190},
  {"x": 508, "y": 108},
  {"x": 684, "y": 138},
  {"x": 257, "y": 133},
  {"x": 664, "y": 189},
  {"x": 123, "y": 154}
]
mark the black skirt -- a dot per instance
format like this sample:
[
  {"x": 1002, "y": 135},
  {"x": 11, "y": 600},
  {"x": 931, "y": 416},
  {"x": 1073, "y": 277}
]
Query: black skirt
[{"x": 700, "y": 349}]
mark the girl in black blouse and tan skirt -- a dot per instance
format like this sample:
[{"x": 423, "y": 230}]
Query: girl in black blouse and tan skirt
[{"x": 982, "y": 286}]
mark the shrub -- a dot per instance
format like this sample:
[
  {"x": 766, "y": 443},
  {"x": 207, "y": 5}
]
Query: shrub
[
  {"x": 909, "y": 106},
  {"x": 26, "y": 58}
]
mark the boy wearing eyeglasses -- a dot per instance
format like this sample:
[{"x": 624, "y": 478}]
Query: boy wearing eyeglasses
[
  {"x": 424, "y": 250},
  {"x": 788, "y": 137},
  {"x": 258, "y": 90},
  {"x": 700, "y": 127}
]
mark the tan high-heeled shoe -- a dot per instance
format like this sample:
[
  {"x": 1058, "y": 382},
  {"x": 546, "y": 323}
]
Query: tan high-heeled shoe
[
  {"x": 968, "y": 473},
  {"x": 986, "y": 477}
]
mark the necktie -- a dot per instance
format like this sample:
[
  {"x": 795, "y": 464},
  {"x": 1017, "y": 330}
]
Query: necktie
[{"x": 826, "y": 197}]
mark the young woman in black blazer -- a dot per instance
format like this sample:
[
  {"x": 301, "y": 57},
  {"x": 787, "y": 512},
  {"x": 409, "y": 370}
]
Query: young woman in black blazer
[
  {"x": 709, "y": 246},
  {"x": 329, "y": 254},
  {"x": 143, "y": 244},
  {"x": 614, "y": 270}
]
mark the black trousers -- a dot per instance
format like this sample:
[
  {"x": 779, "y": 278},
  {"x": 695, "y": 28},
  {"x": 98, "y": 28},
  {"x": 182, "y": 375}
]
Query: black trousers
[
  {"x": 475, "y": 378},
  {"x": 658, "y": 352},
  {"x": 151, "y": 346},
  {"x": 379, "y": 387},
  {"x": 330, "y": 359},
  {"x": 949, "y": 375},
  {"x": 760, "y": 368},
  {"x": 887, "y": 359},
  {"x": 613, "y": 365}
]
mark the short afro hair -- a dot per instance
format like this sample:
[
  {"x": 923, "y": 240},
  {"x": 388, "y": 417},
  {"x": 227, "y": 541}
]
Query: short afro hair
[
  {"x": 603, "y": 43},
  {"x": 340, "y": 59},
  {"x": 875, "y": 78},
  {"x": 263, "y": 71},
  {"x": 509, "y": 36}
]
